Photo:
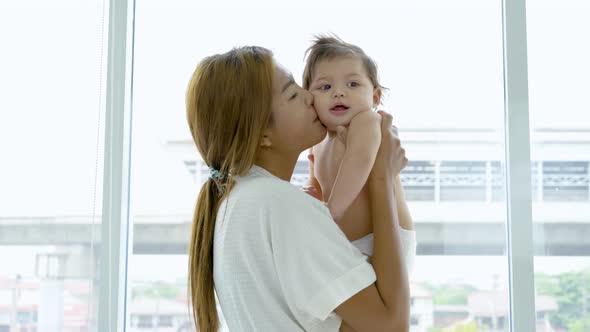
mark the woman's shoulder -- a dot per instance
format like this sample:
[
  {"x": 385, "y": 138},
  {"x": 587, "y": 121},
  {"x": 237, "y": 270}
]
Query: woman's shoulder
[
  {"x": 265, "y": 187},
  {"x": 275, "y": 192}
]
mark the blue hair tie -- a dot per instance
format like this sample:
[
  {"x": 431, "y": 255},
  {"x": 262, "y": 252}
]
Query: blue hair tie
[{"x": 215, "y": 174}]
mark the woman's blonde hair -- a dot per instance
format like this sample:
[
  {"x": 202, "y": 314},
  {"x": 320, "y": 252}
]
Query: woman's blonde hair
[{"x": 228, "y": 106}]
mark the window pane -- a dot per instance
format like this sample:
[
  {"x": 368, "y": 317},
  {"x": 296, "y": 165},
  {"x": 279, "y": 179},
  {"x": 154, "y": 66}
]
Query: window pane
[
  {"x": 419, "y": 180},
  {"x": 559, "y": 81},
  {"x": 51, "y": 138},
  {"x": 463, "y": 181},
  {"x": 446, "y": 94}
]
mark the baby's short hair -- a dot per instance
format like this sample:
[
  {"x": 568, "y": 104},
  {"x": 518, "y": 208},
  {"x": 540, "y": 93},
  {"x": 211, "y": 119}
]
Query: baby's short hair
[{"x": 328, "y": 47}]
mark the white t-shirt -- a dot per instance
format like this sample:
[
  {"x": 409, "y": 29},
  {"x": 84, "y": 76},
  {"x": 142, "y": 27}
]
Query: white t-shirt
[
  {"x": 408, "y": 244},
  {"x": 280, "y": 261}
]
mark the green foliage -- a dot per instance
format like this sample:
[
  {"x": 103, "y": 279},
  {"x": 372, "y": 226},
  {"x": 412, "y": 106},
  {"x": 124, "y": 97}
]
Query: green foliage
[
  {"x": 464, "y": 327},
  {"x": 157, "y": 290},
  {"x": 461, "y": 327},
  {"x": 571, "y": 290},
  {"x": 456, "y": 295},
  {"x": 579, "y": 325}
]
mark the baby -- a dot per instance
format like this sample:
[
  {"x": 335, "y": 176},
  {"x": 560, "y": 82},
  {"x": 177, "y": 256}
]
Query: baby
[{"x": 343, "y": 81}]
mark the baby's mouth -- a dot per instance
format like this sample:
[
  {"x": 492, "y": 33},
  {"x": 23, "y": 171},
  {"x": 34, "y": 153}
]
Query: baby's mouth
[{"x": 339, "y": 108}]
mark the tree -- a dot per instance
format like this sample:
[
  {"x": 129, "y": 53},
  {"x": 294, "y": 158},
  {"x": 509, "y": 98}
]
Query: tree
[
  {"x": 579, "y": 325},
  {"x": 571, "y": 290},
  {"x": 157, "y": 290},
  {"x": 447, "y": 294},
  {"x": 463, "y": 327}
]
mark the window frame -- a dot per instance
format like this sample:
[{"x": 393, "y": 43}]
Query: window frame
[
  {"x": 116, "y": 228},
  {"x": 519, "y": 234}
]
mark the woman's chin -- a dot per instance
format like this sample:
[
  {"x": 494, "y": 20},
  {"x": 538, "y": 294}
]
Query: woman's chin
[
  {"x": 323, "y": 134},
  {"x": 317, "y": 140}
]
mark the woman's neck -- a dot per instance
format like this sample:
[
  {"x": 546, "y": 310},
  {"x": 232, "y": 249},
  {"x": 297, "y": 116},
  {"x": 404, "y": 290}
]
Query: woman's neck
[{"x": 280, "y": 166}]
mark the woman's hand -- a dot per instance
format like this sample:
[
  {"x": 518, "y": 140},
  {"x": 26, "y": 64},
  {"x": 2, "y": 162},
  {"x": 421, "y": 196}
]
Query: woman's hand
[
  {"x": 312, "y": 191},
  {"x": 391, "y": 157}
]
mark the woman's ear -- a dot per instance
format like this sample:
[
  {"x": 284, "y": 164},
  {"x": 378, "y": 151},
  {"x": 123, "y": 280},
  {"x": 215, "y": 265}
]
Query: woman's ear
[
  {"x": 376, "y": 97},
  {"x": 266, "y": 142}
]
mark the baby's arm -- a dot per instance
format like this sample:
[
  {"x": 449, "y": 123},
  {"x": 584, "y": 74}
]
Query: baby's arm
[{"x": 362, "y": 142}]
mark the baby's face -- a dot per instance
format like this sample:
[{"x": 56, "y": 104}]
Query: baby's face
[{"x": 342, "y": 89}]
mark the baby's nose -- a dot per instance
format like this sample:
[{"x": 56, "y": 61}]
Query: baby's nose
[{"x": 338, "y": 93}]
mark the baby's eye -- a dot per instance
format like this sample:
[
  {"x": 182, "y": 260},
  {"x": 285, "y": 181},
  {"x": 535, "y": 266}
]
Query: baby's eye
[
  {"x": 353, "y": 84},
  {"x": 325, "y": 87}
]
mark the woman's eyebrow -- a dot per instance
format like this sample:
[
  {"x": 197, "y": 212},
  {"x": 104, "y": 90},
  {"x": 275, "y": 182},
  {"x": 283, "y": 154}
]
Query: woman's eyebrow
[{"x": 291, "y": 81}]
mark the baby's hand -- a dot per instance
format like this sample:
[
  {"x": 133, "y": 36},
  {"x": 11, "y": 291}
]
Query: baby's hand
[
  {"x": 366, "y": 116},
  {"x": 312, "y": 191}
]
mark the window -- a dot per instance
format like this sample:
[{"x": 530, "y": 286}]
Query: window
[
  {"x": 559, "y": 78},
  {"x": 165, "y": 321},
  {"x": 463, "y": 181},
  {"x": 565, "y": 181},
  {"x": 52, "y": 139},
  {"x": 24, "y": 317},
  {"x": 419, "y": 180},
  {"x": 145, "y": 321},
  {"x": 443, "y": 64},
  {"x": 446, "y": 94}
]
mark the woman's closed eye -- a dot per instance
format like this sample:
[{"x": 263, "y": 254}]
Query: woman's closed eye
[{"x": 293, "y": 96}]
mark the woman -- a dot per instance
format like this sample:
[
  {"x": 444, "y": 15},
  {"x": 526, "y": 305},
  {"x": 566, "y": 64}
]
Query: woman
[{"x": 273, "y": 254}]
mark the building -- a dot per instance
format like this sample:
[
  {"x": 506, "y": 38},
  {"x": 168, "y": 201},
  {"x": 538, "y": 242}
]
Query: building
[
  {"x": 158, "y": 314},
  {"x": 490, "y": 311},
  {"x": 421, "y": 308}
]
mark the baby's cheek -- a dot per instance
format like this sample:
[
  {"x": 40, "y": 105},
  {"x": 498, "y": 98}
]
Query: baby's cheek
[
  {"x": 324, "y": 116},
  {"x": 322, "y": 109},
  {"x": 368, "y": 104}
]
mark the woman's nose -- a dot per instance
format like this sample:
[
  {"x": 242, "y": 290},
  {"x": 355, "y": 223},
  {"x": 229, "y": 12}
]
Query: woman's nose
[{"x": 308, "y": 98}]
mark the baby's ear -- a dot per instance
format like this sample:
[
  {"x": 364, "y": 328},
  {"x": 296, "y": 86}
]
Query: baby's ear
[{"x": 376, "y": 97}]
